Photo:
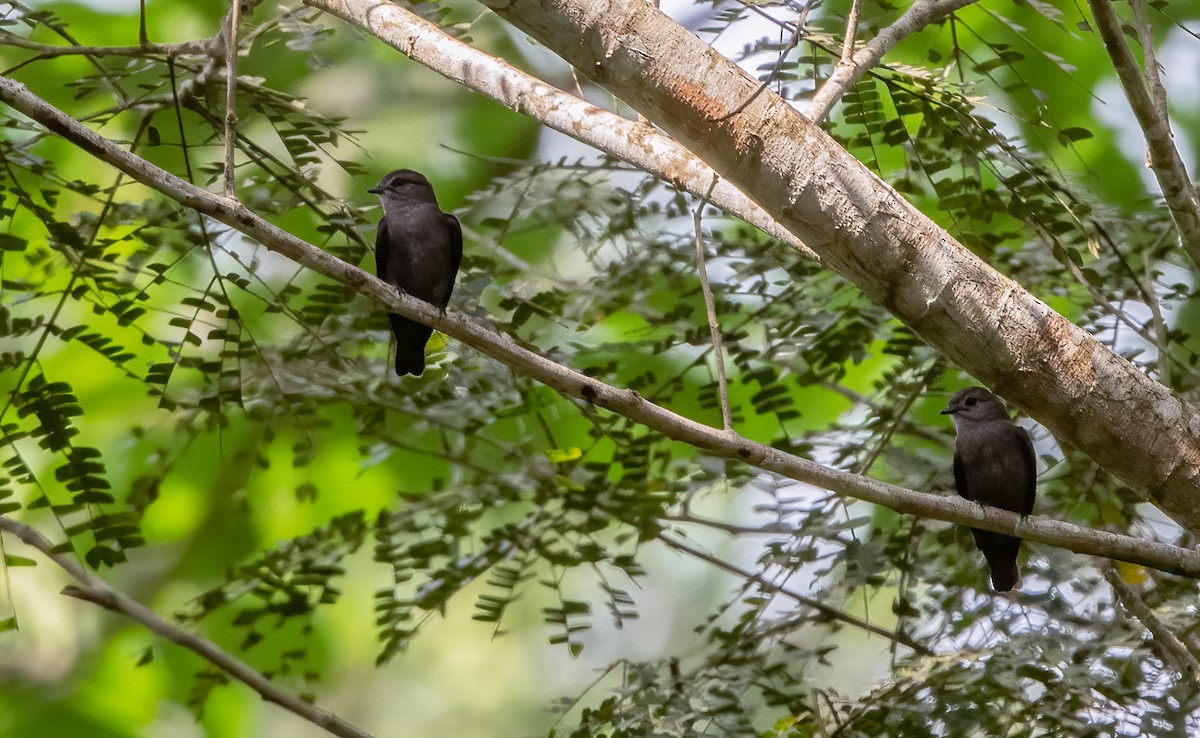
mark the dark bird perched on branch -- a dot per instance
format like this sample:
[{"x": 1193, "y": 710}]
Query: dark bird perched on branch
[
  {"x": 417, "y": 249},
  {"x": 994, "y": 464}
]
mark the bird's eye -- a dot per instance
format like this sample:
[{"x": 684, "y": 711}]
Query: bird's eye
[{"x": 971, "y": 401}]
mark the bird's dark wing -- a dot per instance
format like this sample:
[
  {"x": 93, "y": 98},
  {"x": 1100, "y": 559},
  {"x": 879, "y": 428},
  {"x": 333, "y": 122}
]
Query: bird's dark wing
[
  {"x": 1030, "y": 459},
  {"x": 454, "y": 229},
  {"x": 960, "y": 478},
  {"x": 382, "y": 250},
  {"x": 456, "y": 240}
]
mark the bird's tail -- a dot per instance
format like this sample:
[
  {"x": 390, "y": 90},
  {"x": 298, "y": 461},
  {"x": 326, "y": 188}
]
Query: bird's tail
[
  {"x": 1005, "y": 574},
  {"x": 1001, "y": 554},
  {"x": 411, "y": 338}
]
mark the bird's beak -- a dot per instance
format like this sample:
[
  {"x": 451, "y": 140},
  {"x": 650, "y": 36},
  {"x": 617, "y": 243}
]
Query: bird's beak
[
  {"x": 950, "y": 410},
  {"x": 375, "y": 191}
]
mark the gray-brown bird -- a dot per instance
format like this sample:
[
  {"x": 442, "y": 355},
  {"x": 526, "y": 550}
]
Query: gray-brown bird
[
  {"x": 994, "y": 464},
  {"x": 418, "y": 249}
]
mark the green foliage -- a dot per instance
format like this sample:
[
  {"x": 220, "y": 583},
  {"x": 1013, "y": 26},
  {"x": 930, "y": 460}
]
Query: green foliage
[{"x": 174, "y": 394}]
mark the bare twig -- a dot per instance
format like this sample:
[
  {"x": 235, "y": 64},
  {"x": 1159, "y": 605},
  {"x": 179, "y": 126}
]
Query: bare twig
[
  {"x": 905, "y": 425},
  {"x": 919, "y": 15},
  {"x": 820, "y": 695},
  {"x": 689, "y": 518},
  {"x": 572, "y": 384},
  {"x": 1161, "y": 335},
  {"x": 231, "y": 53},
  {"x": 1172, "y": 648},
  {"x": 143, "y": 37},
  {"x": 787, "y": 48},
  {"x": 710, "y": 308},
  {"x": 92, "y": 588},
  {"x": 851, "y": 31},
  {"x": 1158, "y": 93},
  {"x": 1165, "y": 162},
  {"x": 51, "y": 51},
  {"x": 831, "y": 613}
]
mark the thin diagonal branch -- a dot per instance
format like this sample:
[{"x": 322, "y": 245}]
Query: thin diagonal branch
[
  {"x": 783, "y": 53},
  {"x": 231, "y": 54},
  {"x": 51, "y": 51},
  {"x": 710, "y": 309},
  {"x": 919, "y": 15},
  {"x": 1171, "y": 647},
  {"x": 1158, "y": 93},
  {"x": 92, "y": 588},
  {"x": 574, "y": 385},
  {"x": 826, "y": 611},
  {"x": 1165, "y": 162}
]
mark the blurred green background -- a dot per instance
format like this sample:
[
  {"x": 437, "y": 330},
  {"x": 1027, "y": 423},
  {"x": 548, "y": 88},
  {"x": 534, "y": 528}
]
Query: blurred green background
[{"x": 280, "y": 416}]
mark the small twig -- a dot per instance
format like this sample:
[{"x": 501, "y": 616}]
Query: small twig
[
  {"x": 919, "y": 15},
  {"x": 92, "y": 588},
  {"x": 710, "y": 307},
  {"x": 829, "y": 612},
  {"x": 51, "y": 51},
  {"x": 770, "y": 529},
  {"x": 1158, "y": 93},
  {"x": 1163, "y": 340},
  {"x": 851, "y": 30},
  {"x": 143, "y": 37},
  {"x": 231, "y": 52},
  {"x": 820, "y": 694},
  {"x": 1165, "y": 161},
  {"x": 570, "y": 704},
  {"x": 907, "y": 427},
  {"x": 899, "y": 413},
  {"x": 787, "y": 48},
  {"x": 1172, "y": 649}
]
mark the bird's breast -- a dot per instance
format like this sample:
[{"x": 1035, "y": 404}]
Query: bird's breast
[
  {"x": 994, "y": 465},
  {"x": 421, "y": 252}
]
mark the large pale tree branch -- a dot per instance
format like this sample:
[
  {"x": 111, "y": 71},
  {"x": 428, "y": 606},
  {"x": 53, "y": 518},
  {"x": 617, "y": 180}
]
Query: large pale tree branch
[
  {"x": 577, "y": 386},
  {"x": 1085, "y": 394}
]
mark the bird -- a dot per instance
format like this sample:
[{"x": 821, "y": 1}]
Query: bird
[
  {"x": 994, "y": 464},
  {"x": 418, "y": 250}
]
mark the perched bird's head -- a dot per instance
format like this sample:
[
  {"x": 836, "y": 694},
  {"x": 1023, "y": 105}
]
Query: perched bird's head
[
  {"x": 403, "y": 186},
  {"x": 975, "y": 404}
]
